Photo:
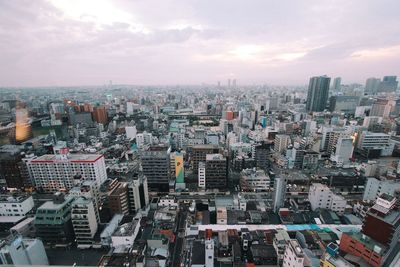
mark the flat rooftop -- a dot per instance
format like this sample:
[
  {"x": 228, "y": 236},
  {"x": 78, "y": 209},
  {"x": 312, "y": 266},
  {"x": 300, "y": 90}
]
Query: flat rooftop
[{"x": 73, "y": 158}]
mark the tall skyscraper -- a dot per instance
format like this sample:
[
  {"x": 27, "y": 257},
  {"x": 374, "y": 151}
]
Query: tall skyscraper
[
  {"x": 389, "y": 84},
  {"x": 318, "y": 90},
  {"x": 337, "y": 83},
  {"x": 372, "y": 85},
  {"x": 229, "y": 82}
]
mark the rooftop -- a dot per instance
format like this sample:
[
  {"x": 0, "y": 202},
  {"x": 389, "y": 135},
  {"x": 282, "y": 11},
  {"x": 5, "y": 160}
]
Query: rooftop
[{"x": 49, "y": 158}]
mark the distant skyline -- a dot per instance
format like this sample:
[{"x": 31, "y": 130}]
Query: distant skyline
[{"x": 78, "y": 42}]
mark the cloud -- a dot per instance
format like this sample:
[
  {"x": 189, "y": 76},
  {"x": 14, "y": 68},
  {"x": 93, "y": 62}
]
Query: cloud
[{"x": 75, "y": 42}]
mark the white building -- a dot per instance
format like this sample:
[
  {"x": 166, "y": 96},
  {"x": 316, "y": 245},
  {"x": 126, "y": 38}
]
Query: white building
[
  {"x": 143, "y": 139},
  {"x": 343, "y": 152},
  {"x": 370, "y": 120},
  {"x": 167, "y": 201},
  {"x": 15, "y": 206},
  {"x": 281, "y": 142},
  {"x": 130, "y": 132},
  {"x": 89, "y": 190},
  {"x": 254, "y": 180},
  {"x": 374, "y": 188},
  {"x": 125, "y": 234},
  {"x": 63, "y": 170},
  {"x": 19, "y": 251},
  {"x": 294, "y": 255},
  {"x": 279, "y": 194},
  {"x": 321, "y": 196},
  {"x": 202, "y": 175},
  {"x": 84, "y": 222},
  {"x": 370, "y": 140},
  {"x": 138, "y": 193},
  {"x": 131, "y": 107},
  {"x": 105, "y": 236}
]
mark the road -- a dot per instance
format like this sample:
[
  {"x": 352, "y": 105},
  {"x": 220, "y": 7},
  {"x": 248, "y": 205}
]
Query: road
[{"x": 180, "y": 237}]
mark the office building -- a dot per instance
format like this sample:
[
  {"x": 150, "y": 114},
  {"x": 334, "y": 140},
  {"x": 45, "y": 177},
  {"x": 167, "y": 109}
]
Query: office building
[
  {"x": 216, "y": 171},
  {"x": 374, "y": 144},
  {"x": 374, "y": 188},
  {"x": 20, "y": 251},
  {"x": 389, "y": 84},
  {"x": 199, "y": 153},
  {"x": 321, "y": 197},
  {"x": 261, "y": 152},
  {"x": 63, "y": 171},
  {"x": 344, "y": 104},
  {"x": 343, "y": 151},
  {"x": 53, "y": 220},
  {"x": 372, "y": 86},
  {"x": 100, "y": 114},
  {"x": 84, "y": 222},
  {"x": 118, "y": 198},
  {"x": 10, "y": 167},
  {"x": 15, "y": 205},
  {"x": 254, "y": 180},
  {"x": 336, "y": 86},
  {"x": 156, "y": 167},
  {"x": 381, "y": 108},
  {"x": 281, "y": 142},
  {"x": 317, "y": 96},
  {"x": 138, "y": 193}
]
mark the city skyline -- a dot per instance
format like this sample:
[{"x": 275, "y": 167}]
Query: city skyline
[{"x": 75, "y": 43}]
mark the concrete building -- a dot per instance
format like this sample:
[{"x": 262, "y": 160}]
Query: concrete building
[
  {"x": 336, "y": 86},
  {"x": 375, "y": 144},
  {"x": 372, "y": 86},
  {"x": 10, "y": 167},
  {"x": 202, "y": 175},
  {"x": 130, "y": 132},
  {"x": 53, "y": 220},
  {"x": 281, "y": 142},
  {"x": 88, "y": 190},
  {"x": 343, "y": 151},
  {"x": 84, "y": 222},
  {"x": 199, "y": 153},
  {"x": 344, "y": 104},
  {"x": 381, "y": 108},
  {"x": 125, "y": 234},
  {"x": 15, "y": 205},
  {"x": 321, "y": 197},
  {"x": 63, "y": 171},
  {"x": 216, "y": 171},
  {"x": 156, "y": 167},
  {"x": 100, "y": 114},
  {"x": 255, "y": 180},
  {"x": 138, "y": 194},
  {"x": 20, "y": 251},
  {"x": 294, "y": 255},
  {"x": 279, "y": 194},
  {"x": 388, "y": 85},
  {"x": 118, "y": 198},
  {"x": 318, "y": 91},
  {"x": 374, "y": 188}
]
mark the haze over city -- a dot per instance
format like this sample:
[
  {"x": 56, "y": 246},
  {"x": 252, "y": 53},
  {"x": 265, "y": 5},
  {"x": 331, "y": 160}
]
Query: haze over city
[{"x": 70, "y": 42}]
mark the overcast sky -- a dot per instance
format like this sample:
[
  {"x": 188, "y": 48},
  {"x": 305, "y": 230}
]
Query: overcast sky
[{"x": 78, "y": 42}]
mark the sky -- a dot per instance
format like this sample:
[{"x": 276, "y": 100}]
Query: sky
[{"x": 170, "y": 42}]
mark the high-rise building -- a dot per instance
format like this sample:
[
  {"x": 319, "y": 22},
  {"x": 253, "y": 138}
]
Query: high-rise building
[
  {"x": 88, "y": 190},
  {"x": 381, "y": 108},
  {"x": 372, "y": 86},
  {"x": 100, "y": 114},
  {"x": 10, "y": 166},
  {"x": 389, "y": 84},
  {"x": 343, "y": 151},
  {"x": 118, "y": 198},
  {"x": 337, "y": 84},
  {"x": 281, "y": 142},
  {"x": 62, "y": 171},
  {"x": 53, "y": 220},
  {"x": 255, "y": 180},
  {"x": 156, "y": 167},
  {"x": 202, "y": 175},
  {"x": 84, "y": 221},
  {"x": 216, "y": 171},
  {"x": 317, "y": 96},
  {"x": 374, "y": 188},
  {"x": 199, "y": 153},
  {"x": 343, "y": 104},
  {"x": 138, "y": 193}
]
